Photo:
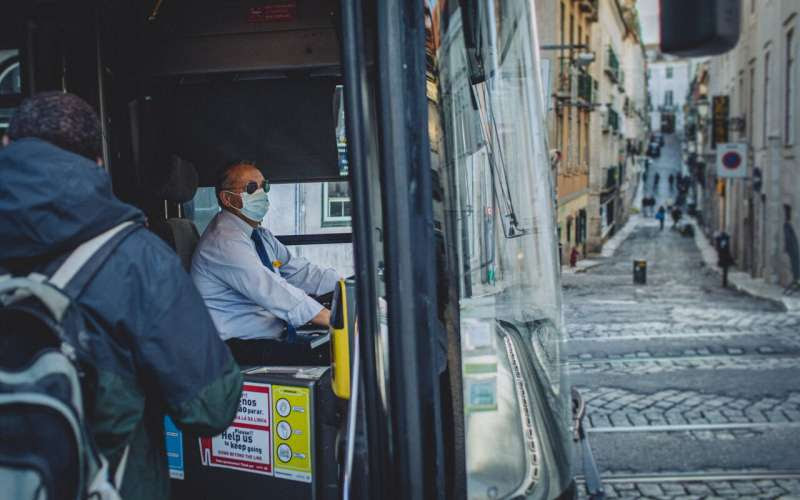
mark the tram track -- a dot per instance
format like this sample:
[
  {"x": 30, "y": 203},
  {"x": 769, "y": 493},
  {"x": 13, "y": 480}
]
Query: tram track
[
  {"x": 698, "y": 357},
  {"x": 679, "y": 477},
  {"x": 673, "y": 336},
  {"x": 694, "y": 427},
  {"x": 735, "y": 460}
]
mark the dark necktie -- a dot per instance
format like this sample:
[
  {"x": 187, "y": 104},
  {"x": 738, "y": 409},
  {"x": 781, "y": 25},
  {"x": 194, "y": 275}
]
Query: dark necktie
[{"x": 291, "y": 332}]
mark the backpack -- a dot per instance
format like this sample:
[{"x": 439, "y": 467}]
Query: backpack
[{"x": 47, "y": 450}]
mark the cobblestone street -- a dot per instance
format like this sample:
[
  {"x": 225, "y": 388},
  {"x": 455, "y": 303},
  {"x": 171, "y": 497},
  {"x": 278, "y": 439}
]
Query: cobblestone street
[{"x": 692, "y": 389}]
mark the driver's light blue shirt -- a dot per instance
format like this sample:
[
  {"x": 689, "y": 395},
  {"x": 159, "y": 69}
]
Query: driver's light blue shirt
[{"x": 247, "y": 300}]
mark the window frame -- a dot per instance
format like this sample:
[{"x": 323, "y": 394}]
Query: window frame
[
  {"x": 329, "y": 220},
  {"x": 669, "y": 72}
]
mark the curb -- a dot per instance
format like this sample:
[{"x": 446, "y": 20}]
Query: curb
[
  {"x": 610, "y": 246},
  {"x": 736, "y": 278}
]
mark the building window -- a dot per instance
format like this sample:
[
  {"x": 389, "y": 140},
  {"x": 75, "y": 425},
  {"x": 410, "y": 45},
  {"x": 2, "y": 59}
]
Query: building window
[
  {"x": 765, "y": 108},
  {"x": 669, "y": 71},
  {"x": 668, "y": 98},
  {"x": 788, "y": 127},
  {"x": 335, "y": 204},
  {"x": 569, "y": 229}
]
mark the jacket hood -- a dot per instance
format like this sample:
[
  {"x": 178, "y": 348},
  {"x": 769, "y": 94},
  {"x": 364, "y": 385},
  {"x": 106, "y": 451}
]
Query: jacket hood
[{"x": 51, "y": 200}]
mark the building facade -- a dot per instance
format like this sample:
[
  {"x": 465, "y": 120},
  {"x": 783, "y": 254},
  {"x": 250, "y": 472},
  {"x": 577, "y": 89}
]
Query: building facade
[
  {"x": 668, "y": 83},
  {"x": 749, "y": 96},
  {"x": 594, "y": 70},
  {"x": 564, "y": 29},
  {"x": 619, "y": 131}
]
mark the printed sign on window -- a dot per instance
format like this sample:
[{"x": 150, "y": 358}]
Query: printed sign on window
[{"x": 247, "y": 444}]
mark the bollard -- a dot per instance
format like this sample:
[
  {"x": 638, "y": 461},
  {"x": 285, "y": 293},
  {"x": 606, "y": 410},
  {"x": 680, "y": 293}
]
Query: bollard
[{"x": 639, "y": 272}]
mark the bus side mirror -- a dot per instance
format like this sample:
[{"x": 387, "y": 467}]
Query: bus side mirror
[{"x": 691, "y": 28}]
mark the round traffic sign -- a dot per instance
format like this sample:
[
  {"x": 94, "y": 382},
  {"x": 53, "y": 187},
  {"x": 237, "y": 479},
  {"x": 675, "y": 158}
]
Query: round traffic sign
[{"x": 731, "y": 160}]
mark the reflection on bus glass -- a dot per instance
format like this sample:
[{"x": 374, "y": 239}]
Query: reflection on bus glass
[{"x": 509, "y": 280}]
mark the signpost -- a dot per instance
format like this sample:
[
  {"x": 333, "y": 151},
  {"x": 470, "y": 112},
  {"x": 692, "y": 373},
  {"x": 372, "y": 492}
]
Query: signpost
[{"x": 731, "y": 160}]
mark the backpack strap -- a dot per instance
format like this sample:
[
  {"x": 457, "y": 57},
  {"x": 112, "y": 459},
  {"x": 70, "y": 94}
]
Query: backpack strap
[{"x": 79, "y": 268}]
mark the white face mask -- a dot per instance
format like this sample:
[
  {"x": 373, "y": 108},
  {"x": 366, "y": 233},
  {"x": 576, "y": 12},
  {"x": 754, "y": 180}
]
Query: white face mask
[{"x": 255, "y": 206}]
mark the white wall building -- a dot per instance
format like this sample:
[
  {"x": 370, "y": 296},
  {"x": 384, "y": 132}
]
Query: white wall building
[
  {"x": 612, "y": 181},
  {"x": 760, "y": 79},
  {"x": 668, "y": 76},
  {"x": 668, "y": 83}
]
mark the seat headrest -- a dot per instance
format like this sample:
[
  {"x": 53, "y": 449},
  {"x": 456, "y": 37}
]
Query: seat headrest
[{"x": 181, "y": 181}]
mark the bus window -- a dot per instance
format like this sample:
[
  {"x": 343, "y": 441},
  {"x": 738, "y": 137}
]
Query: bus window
[{"x": 309, "y": 208}]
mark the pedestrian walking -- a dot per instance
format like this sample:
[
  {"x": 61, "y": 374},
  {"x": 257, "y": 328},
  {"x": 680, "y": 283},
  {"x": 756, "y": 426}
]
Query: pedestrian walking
[
  {"x": 724, "y": 257},
  {"x": 573, "y": 257},
  {"x": 671, "y": 181},
  {"x": 655, "y": 180},
  {"x": 660, "y": 217},
  {"x": 676, "y": 215}
]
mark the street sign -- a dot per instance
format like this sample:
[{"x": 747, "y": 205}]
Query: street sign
[
  {"x": 721, "y": 108},
  {"x": 731, "y": 160}
]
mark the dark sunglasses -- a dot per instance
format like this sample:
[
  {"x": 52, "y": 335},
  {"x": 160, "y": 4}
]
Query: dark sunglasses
[{"x": 252, "y": 186}]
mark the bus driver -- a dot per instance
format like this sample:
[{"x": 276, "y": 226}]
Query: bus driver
[{"x": 252, "y": 285}]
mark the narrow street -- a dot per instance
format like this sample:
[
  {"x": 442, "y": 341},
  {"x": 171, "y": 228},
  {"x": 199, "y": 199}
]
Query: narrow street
[{"x": 692, "y": 389}]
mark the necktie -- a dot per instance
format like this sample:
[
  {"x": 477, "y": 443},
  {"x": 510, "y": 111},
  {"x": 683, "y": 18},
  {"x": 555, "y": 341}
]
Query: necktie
[{"x": 262, "y": 254}]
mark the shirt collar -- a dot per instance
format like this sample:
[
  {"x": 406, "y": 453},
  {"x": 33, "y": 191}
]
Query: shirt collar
[{"x": 232, "y": 220}]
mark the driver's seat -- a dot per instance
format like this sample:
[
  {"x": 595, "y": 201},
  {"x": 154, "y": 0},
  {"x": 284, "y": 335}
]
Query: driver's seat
[{"x": 179, "y": 186}]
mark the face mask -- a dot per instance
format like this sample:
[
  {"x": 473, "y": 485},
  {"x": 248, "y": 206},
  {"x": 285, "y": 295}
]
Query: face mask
[{"x": 255, "y": 206}]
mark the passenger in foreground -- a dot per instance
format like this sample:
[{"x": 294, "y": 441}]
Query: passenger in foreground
[
  {"x": 152, "y": 341},
  {"x": 253, "y": 286}
]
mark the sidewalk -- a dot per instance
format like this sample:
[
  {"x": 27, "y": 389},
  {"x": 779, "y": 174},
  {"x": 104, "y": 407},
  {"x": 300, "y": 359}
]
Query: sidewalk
[
  {"x": 742, "y": 281},
  {"x": 581, "y": 266}
]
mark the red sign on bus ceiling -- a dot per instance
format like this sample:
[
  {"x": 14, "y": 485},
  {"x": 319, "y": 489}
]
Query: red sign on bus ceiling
[{"x": 272, "y": 13}]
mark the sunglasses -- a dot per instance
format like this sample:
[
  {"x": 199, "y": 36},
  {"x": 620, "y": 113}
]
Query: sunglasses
[{"x": 253, "y": 186}]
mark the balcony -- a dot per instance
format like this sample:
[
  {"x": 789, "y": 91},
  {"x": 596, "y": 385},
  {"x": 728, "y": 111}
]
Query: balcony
[
  {"x": 564, "y": 82},
  {"x": 611, "y": 123},
  {"x": 612, "y": 66}
]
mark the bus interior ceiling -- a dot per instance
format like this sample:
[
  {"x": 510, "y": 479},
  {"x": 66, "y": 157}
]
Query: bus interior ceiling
[{"x": 205, "y": 80}]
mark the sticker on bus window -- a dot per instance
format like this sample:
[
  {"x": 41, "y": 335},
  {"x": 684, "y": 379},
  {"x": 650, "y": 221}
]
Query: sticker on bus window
[
  {"x": 481, "y": 394},
  {"x": 247, "y": 444}
]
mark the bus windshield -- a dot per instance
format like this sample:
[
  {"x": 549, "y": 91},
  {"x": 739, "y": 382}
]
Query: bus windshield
[{"x": 510, "y": 298}]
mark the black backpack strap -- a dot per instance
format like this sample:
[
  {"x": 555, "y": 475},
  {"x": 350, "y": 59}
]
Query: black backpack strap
[{"x": 82, "y": 264}]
